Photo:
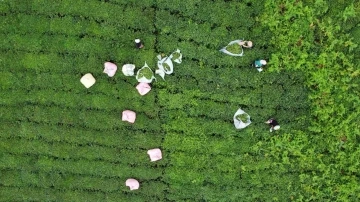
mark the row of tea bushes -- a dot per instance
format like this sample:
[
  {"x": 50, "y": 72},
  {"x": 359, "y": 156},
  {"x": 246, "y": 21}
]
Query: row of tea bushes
[
  {"x": 116, "y": 15},
  {"x": 119, "y": 138},
  {"x": 225, "y": 165},
  {"x": 85, "y": 118}
]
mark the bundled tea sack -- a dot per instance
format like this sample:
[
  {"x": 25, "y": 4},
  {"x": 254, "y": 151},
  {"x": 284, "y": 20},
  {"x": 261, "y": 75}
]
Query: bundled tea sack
[
  {"x": 233, "y": 48},
  {"x": 241, "y": 119},
  {"x": 176, "y": 56},
  {"x": 128, "y": 69},
  {"x": 154, "y": 154},
  {"x": 143, "y": 88},
  {"x": 87, "y": 80},
  {"x": 145, "y": 74},
  {"x": 132, "y": 184},
  {"x": 128, "y": 116},
  {"x": 110, "y": 69}
]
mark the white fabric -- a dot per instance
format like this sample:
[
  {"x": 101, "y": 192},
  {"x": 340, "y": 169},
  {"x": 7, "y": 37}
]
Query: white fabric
[
  {"x": 132, "y": 184},
  {"x": 144, "y": 79},
  {"x": 137, "y": 40},
  {"x": 161, "y": 73},
  {"x": 232, "y": 54},
  {"x": 274, "y": 128},
  {"x": 154, "y": 154},
  {"x": 110, "y": 69},
  {"x": 239, "y": 124},
  {"x": 179, "y": 59},
  {"x": 128, "y": 116},
  {"x": 128, "y": 69},
  {"x": 143, "y": 88},
  {"x": 88, "y": 80}
]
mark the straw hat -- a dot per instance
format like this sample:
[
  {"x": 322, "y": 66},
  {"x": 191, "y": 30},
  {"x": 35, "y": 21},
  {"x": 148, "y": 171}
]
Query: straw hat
[
  {"x": 263, "y": 62},
  {"x": 137, "y": 40}
]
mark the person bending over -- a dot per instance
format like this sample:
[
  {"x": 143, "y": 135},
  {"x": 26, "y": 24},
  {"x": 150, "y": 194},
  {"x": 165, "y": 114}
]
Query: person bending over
[{"x": 274, "y": 124}]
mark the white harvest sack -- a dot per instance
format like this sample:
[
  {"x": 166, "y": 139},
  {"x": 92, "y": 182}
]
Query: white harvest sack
[
  {"x": 145, "y": 74},
  {"x": 176, "y": 56},
  {"x": 233, "y": 54},
  {"x": 238, "y": 123},
  {"x": 166, "y": 65}
]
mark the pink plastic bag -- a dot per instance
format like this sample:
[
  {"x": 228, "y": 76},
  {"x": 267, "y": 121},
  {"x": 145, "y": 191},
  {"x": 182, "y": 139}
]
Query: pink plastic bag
[
  {"x": 128, "y": 116},
  {"x": 132, "y": 184},
  {"x": 110, "y": 69},
  {"x": 154, "y": 154},
  {"x": 143, "y": 88}
]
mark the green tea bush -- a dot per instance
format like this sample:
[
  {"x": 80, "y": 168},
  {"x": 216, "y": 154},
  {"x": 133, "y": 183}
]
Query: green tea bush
[
  {"x": 330, "y": 46},
  {"x": 118, "y": 138},
  {"x": 63, "y": 142}
]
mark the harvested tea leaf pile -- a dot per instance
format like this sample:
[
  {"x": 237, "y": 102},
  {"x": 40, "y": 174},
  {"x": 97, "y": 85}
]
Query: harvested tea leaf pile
[
  {"x": 234, "y": 48},
  {"x": 176, "y": 55},
  {"x": 146, "y": 72},
  {"x": 166, "y": 66},
  {"x": 243, "y": 117}
]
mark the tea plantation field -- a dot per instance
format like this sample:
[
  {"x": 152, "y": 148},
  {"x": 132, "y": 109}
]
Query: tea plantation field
[{"x": 60, "y": 141}]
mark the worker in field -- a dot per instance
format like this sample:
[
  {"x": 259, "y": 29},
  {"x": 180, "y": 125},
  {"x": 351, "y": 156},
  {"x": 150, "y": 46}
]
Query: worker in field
[
  {"x": 274, "y": 125},
  {"x": 245, "y": 44},
  {"x": 139, "y": 44},
  {"x": 259, "y": 64}
]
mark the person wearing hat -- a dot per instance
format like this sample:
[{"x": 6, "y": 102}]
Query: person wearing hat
[
  {"x": 274, "y": 124},
  {"x": 259, "y": 64},
  {"x": 246, "y": 44},
  {"x": 138, "y": 44}
]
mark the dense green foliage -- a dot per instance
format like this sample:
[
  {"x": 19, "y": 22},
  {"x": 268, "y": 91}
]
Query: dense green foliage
[
  {"x": 315, "y": 39},
  {"x": 62, "y": 142}
]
